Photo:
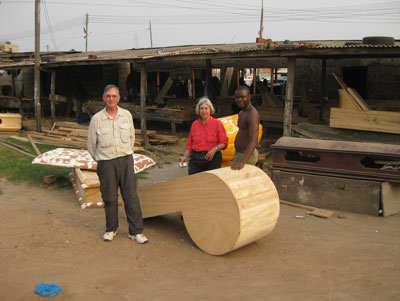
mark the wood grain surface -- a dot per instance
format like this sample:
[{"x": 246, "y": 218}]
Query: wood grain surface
[{"x": 223, "y": 209}]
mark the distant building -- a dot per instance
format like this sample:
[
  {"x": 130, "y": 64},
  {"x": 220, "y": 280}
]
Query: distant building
[{"x": 8, "y": 47}]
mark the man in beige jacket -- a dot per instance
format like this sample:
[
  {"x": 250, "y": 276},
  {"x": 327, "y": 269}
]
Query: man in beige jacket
[{"x": 110, "y": 142}]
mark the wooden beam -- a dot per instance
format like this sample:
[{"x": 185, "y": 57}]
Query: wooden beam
[
  {"x": 358, "y": 98},
  {"x": 227, "y": 81},
  {"x": 143, "y": 80},
  {"x": 340, "y": 81},
  {"x": 374, "y": 121},
  {"x": 53, "y": 97},
  {"x": 17, "y": 148},
  {"x": 167, "y": 85},
  {"x": 33, "y": 144},
  {"x": 287, "y": 118}
]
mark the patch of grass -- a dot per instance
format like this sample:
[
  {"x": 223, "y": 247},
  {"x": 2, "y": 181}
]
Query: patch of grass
[
  {"x": 18, "y": 168},
  {"x": 42, "y": 147}
]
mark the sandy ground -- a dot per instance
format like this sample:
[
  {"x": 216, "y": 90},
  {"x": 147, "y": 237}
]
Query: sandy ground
[{"x": 46, "y": 237}]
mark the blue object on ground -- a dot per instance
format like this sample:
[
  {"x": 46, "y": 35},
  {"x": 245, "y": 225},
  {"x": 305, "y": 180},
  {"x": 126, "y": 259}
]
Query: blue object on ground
[{"x": 47, "y": 289}]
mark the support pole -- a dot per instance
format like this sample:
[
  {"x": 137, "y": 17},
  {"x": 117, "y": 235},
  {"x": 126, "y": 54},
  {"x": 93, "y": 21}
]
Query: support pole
[
  {"x": 287, "y": 118},
  {"x": 143, "y": 80},
  {"x": 323, "y": 76},
  {"x": 193, "y": 84},
  {"x": 158, "y": 82},
  {"x": 262, "y": 19},
  {"x": 207, "y": 81},
  {"x": 37, "y": 67},
  {"x": 151, "y": 36},
  {"x": 53, "y": 97},
  {"x": 254, "y": 80},
  {"x": 272, "y": 80}
]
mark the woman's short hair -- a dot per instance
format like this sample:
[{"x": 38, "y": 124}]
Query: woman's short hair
[{"x": 207, "y": 102}]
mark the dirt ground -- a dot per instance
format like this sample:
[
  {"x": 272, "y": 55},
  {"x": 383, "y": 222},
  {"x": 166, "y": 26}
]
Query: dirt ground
[{"x": 46, "y": 237}]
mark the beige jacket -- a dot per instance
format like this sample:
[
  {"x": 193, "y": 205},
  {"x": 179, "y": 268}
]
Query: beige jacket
[{"x": 110, "y": 138}]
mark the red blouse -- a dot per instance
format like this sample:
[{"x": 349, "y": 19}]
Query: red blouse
[{"x": 203, "y": 137}]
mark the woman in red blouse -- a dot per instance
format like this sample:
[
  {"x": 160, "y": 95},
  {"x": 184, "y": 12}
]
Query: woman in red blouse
[{"x": 207, "y": 138}]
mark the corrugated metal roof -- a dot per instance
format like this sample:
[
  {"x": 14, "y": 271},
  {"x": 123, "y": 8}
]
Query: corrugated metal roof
[{"x": 153, "y": 54}]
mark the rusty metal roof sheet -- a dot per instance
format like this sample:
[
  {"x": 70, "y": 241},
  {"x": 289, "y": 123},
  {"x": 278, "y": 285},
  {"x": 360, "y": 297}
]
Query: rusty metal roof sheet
[{"x": 290, "y": 48}]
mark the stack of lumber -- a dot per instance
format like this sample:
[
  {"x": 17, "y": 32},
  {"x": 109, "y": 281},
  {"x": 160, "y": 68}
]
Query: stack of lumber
[
  {"x": 354, "y": 113},
  {"x": 75, "y": 135},
  {"x": 275, "y": 114}
]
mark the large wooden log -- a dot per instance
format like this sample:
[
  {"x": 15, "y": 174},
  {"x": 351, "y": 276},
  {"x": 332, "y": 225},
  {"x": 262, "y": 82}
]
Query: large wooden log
[{"x": 223, "y": 209}]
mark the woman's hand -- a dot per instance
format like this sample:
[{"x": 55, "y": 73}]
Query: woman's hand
[
  {"x": 184, "y": 159},
  {"x": 210, "y": 154}
]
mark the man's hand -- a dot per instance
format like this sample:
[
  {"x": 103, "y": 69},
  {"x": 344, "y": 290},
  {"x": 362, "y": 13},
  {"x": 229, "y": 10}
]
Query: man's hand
[{"x": 237, "y": 166}]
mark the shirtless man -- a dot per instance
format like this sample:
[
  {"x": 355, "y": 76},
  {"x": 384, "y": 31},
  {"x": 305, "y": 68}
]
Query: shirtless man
[{"x": 246, "y": 138}]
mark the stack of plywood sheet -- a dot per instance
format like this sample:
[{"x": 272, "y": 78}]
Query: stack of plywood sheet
[
  {"x": 84, "y": 179},
  {"x": 354, "y": 113}
]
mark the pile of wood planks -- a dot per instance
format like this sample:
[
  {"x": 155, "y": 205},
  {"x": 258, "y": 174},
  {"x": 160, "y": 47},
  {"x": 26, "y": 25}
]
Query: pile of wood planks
[
  {"x": 75, "y": 135},
  {"x": 354, "y": 113}
]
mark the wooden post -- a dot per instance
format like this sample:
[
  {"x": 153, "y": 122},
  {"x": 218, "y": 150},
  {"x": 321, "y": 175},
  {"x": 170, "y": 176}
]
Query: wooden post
[
  {"x": 158, "y": 82},
  {"x": 38, "y": 110},
  {"x": 238, "y": 77},
  {"x": 193, "y": 84},
  {"x": 287, "y": 118},
  {"x": 15, "y": 91},
  {"x": 208, "y": 78},
  {"x": 143, "y": 80},
  {"x": 254, "y": 80},
  {"x": 272, "y": 80},
  {"x": 53, "y": 97},
  {"x": 323, "y": 76}
]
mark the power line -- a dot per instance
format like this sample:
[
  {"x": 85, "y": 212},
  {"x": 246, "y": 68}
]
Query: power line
[{"x": 46, "y": 13}]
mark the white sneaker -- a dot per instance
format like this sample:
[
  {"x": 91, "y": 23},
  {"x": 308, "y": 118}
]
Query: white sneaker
[
  {"x": 109, "y": 236},
  {"x": 140, "y": 238}
]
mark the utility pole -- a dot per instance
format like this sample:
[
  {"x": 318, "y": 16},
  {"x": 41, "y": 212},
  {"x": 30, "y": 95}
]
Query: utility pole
[
  {"x": 262, "y": 19},
  {"x": 86, "y": 31},
  {"x": 38, "y": 110},
  {"x": 151, "y": 36}
]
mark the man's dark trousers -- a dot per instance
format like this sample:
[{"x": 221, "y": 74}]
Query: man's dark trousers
[{"x": 119, "y": 172}]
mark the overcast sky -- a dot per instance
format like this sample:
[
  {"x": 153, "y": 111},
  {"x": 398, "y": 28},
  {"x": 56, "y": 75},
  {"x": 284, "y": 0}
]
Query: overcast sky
[{"x": 123, "y": 24}]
